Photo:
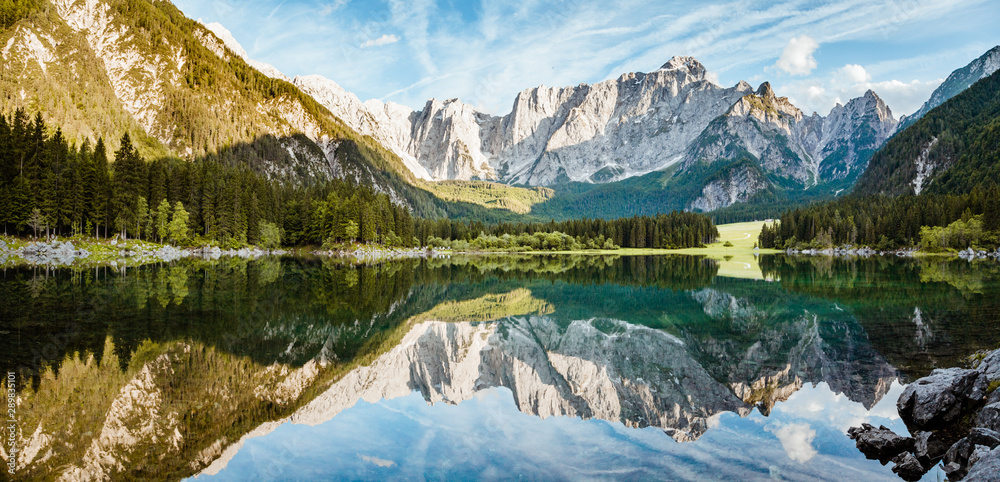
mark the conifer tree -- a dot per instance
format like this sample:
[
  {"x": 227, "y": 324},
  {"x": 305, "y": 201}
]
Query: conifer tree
[
  {"x": 20, "y": 205},
  {"x": 178, "y": 227},
  {"x": 127, "y": 183},
  {"x": 162, "y": 218},
  {"x": 143, "y": 223},
  {"x": 101, "y": 201},
  {"x": 7, "y": 172}
]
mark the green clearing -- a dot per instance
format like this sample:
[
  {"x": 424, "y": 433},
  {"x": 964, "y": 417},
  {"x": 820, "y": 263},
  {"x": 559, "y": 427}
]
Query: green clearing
[
  {"x": 736, "y": 261},
  {"x": 489, "y": 194}
]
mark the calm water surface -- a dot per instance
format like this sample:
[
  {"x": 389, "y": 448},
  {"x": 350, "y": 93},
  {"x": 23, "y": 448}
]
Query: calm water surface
[{"x": 537, "y": 367}]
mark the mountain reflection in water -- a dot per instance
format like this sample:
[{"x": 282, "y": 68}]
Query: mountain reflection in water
[{"x": 530, "y": 363}]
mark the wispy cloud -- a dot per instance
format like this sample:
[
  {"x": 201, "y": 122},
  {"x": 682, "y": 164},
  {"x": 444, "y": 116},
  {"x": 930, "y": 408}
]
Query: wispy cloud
[
  {"x": 486, "y": 53},
  {"x": 413, "y": 18},
  {"x": 383, "y": 40},
  {"x": 327, "y": 8}
]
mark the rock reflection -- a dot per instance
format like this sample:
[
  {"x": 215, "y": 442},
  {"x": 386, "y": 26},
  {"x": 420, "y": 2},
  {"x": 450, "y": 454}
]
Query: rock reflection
[{"x": 619, "y": 371}]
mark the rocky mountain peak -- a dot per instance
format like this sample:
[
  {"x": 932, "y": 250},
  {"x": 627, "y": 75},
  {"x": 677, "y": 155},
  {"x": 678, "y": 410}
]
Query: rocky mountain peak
[
  {"x": 690, "y": 65},
  {"x": 623, "y": 127},
  {"x": 988, "y": 62},
  {"x": 766, "y": 91},
  {"x": 236, "y": 49},
  {"x": 870, "y": 104},
  {"x": 958, "y": 81}
]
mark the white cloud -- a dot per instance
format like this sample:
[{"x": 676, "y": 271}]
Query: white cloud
[
  {"x": 796, "y": 439},
  {"x": 855, "y": 73},
  {"x": 488, "y": 55},
  {"x": 713, "y": 77},
  {"x": 383, "y": 40},
  {"x": 852, "y": 80},
  {"x": 905, "y": 97},
  {"x": 821, "y": 406},
  {"x": 797, "y": 59}
]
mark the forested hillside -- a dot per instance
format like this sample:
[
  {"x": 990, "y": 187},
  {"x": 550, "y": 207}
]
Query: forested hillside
[
  {"x": 950, "y": 150},
  {"x": 48, "y": 185},
  {"x": 885, "y": 222},
  {"x": 141, "y": 67},
  {"x": 935, "y": 185}
]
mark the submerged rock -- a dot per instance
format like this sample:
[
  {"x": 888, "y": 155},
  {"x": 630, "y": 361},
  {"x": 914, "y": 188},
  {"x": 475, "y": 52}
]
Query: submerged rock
[{"x": 880, "y": 443}]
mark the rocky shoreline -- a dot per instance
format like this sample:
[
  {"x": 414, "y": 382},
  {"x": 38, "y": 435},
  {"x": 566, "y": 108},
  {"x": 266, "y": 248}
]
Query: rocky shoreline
[
  {"x": 131, "y": 252},
  {"x": 370, "y": 254},
  {"x": 866, "y": 252},
  {"x": 953, "y": 416},
  {"x": 65, "y": 253}
]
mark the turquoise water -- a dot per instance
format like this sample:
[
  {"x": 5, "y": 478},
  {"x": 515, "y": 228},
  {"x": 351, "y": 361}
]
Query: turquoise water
[{"x": 537, "y": 367}]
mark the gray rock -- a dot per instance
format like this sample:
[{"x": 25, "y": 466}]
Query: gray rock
[
  {"x": 990, "y": 366},
  {"x": 930, "y": 447},
  {"x": 986, "y": 468},
  {"x": 908, "y": 467},
  {"x": 989, "y": 417},
  {"x": 968, "y": 451},
  {"x": 956, "y": 460},
  {"x": 938, "y": 399},
  {"x": 984, "y": 436},
  {"x": 993, "y": 397},
  {"x": 879, "y": 443}
]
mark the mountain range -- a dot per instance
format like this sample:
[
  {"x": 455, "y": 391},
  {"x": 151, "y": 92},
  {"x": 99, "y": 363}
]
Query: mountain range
[
  {"x": 636, "y": 124},
  {"x": 670, "y": 139}
]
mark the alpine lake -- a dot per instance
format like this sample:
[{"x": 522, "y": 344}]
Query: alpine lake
[{"x": 553, "y": 367}]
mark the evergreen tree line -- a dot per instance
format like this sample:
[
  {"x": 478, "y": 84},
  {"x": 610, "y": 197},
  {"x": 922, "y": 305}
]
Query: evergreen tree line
[
  {"x": 662, "y": 231},
  {"x": 13, "y": 10},
  {"x": 49, "y": 185},
  {"x": 885, "y": 222}
]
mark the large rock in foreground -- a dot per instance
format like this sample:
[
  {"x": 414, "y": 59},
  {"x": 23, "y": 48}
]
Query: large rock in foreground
[
  {"x": 938, "y": 400},
  {"x": 954, "y": 417}
]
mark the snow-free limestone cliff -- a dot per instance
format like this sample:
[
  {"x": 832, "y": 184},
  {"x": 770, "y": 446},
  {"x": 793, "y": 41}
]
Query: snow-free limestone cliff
[{"x": 629, "y": 126}]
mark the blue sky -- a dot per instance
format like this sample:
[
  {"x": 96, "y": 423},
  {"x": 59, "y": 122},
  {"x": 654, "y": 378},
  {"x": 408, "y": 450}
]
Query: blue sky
[{"x": 815, "y": 52}]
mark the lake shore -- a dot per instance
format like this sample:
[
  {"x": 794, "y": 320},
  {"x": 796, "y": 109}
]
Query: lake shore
[
  {"x": 736, "y": 245},
  {"x": 113, "y": 252}
]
